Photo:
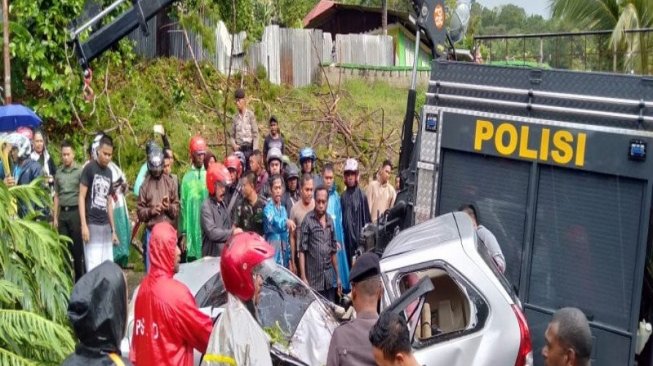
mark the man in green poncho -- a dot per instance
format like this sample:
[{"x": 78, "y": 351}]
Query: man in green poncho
[{"x": 193, "y": 194}]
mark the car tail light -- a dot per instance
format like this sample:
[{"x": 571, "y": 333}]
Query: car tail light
[{"x": 525, "y": 354}]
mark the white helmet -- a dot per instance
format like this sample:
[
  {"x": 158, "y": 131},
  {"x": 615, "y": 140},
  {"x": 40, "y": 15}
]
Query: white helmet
[
  {"x": 274, "y": 154},
  {"x": 20, "y": 142}
]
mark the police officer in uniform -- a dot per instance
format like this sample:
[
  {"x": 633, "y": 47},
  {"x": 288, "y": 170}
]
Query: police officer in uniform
[
  {"x": 244, "y": 133},
  {"x": 350, "y": 344}
]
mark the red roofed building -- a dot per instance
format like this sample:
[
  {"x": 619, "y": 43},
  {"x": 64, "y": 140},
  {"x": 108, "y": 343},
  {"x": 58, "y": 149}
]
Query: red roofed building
[{"x": 337, "y": 18}]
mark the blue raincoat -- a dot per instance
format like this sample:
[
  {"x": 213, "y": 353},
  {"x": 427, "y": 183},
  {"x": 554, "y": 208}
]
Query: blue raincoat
[
  {"x": 334, "y": 209},
  {"x": 276, "y": 232}
]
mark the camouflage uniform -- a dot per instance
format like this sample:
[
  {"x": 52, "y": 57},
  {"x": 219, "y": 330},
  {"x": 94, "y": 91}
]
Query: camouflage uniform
[{"x": 248, "y": 217}]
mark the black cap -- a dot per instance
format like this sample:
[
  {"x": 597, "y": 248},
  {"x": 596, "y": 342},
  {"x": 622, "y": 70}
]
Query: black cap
[
  {"x": 240, "y": 93},
  {"x": 366, "y": 266},
  {"x": 273, "y": 118}
]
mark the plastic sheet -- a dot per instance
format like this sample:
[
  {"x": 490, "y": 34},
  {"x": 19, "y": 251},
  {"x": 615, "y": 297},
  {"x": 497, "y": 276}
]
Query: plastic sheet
[{"x": 237, "y": 339}]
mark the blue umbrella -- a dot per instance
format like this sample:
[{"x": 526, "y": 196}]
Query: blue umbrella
[{"x": 13, "y": 116}]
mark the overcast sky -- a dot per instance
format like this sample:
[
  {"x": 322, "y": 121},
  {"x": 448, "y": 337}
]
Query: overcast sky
[{"x": 540, "y": 7}]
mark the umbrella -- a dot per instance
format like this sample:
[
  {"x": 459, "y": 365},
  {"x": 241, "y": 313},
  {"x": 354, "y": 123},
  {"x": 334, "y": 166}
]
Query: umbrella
[{"x": 13, "y": 116}]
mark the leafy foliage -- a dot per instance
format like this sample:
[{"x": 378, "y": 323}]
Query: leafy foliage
[
  {"x": 35, "y": 280},
  {"x": 618, "y": 16},
  {"x": 44, "y": 68}
]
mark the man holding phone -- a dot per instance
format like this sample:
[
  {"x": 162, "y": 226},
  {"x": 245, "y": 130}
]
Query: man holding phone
[{"x": 157, "y": 198}]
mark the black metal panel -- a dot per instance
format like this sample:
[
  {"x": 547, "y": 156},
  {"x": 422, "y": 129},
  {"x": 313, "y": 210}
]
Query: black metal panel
[
  {"x": 584, "y": 251},
  {"x": 498, "y": 187},
  {"x": 559, "y": 81},
  {"x": 113, "y": 32}
]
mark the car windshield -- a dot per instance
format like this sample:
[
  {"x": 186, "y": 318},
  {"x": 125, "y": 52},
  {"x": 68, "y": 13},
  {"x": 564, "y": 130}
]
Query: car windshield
[{"x": 283, "y": 299}]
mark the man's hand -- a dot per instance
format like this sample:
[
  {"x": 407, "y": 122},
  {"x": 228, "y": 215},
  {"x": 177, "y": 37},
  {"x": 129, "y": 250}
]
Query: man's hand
[
  {"x": 339, "y": 284},
  {"x": 85, "y": 234},
  {"x": 156, "y": 210},
  {"x": 55, "y": 223},
  {"x": 237, "y": 230},
  {"x": 158, "y": 129},
  {"x": 292, "y": 268},
  {"x": 114, "y": 239},
  {"x": 291, "y": 225},
  {"x": 305, "y": 280},
  {"x": 9, "y": 181}
]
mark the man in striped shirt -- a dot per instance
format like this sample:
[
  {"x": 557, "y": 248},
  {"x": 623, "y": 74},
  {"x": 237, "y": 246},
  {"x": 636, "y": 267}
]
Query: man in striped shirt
[{"x": 317, "y": 250}]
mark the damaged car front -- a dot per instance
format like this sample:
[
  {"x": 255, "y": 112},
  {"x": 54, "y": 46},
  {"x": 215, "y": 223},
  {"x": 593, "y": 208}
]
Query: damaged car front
[{"x": 295, "y": 321}]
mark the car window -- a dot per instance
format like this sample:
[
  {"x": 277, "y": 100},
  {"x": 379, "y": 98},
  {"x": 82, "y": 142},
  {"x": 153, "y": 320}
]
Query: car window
[
  {"x": 452, "y": 307},
  {"x": 212, "y": 293},
  {"x": 283, "y": 301}
]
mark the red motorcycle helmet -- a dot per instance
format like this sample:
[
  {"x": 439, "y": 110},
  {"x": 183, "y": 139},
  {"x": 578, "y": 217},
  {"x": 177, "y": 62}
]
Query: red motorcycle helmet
[
  {"x": 217, "y": 173},
  {"x": 233, "y": 162},
  {"x": 198, "y": 145},
  {"x": 240, "y": 256}
]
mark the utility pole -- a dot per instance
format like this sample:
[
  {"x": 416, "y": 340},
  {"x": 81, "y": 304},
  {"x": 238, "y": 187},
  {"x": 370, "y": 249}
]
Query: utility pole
[
  {"x": 5, "y": 37},
  {"x": 384, "y": 17}
]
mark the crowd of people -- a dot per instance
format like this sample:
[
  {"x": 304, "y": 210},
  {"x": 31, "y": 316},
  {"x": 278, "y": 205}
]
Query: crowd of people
[
  {"x": 255, "y": 190},
  {"x": 307, "y": 225}
]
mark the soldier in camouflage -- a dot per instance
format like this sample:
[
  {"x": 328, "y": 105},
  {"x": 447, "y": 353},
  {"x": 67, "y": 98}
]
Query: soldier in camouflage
[{"x": 248, "y": 214}]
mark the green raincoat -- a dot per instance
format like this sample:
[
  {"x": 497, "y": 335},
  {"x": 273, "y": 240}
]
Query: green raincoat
[{"x": 193, "y": 194}]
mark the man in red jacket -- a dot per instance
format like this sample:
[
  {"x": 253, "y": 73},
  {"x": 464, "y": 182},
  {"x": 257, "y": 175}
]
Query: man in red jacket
[{"x": 167, "y": 323}]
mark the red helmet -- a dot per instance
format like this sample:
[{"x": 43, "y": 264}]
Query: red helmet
[
  {"x": 217, "y": 173},
  {"x": 197, "y": 144},
  {"x": 233, "y": 162},
  {"x": 240, "y": 256}
]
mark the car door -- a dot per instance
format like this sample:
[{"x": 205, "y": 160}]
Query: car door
[{"x": 446, "y": 316}]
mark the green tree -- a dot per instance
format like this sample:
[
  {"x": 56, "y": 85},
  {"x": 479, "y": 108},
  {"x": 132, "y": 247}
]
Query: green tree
[
  {"x": 45, "y": 71},
  {"x": 35, "y": 282},
  {"x": 618, "y": 16}
]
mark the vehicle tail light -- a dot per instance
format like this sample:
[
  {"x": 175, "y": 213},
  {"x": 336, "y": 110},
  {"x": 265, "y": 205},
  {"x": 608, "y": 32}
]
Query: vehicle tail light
[{"x": 525, "y": 354}]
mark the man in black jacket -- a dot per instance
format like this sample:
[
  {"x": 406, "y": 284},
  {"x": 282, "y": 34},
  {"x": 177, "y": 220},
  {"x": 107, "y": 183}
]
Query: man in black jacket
[
  {"x": 215, "y": 219},
  {"x": 355, "y": 209}
]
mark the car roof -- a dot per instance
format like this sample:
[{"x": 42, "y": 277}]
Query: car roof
[
  {"x": 451, "y": 228},
  {"x": 195, "y": 274}
]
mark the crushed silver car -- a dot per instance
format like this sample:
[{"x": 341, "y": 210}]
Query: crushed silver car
[{"x": 460, "y": 308}]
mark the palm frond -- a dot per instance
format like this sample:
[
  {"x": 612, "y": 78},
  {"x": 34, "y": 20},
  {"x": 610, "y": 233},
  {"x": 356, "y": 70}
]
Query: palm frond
[
  {"x": 10, "y": 358},
  {"x": 9, "y": 292},
  {"x": 628, "y": 19},
  {"x": 587, "y": 14},
  {"x": 34, "y": 337}
]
